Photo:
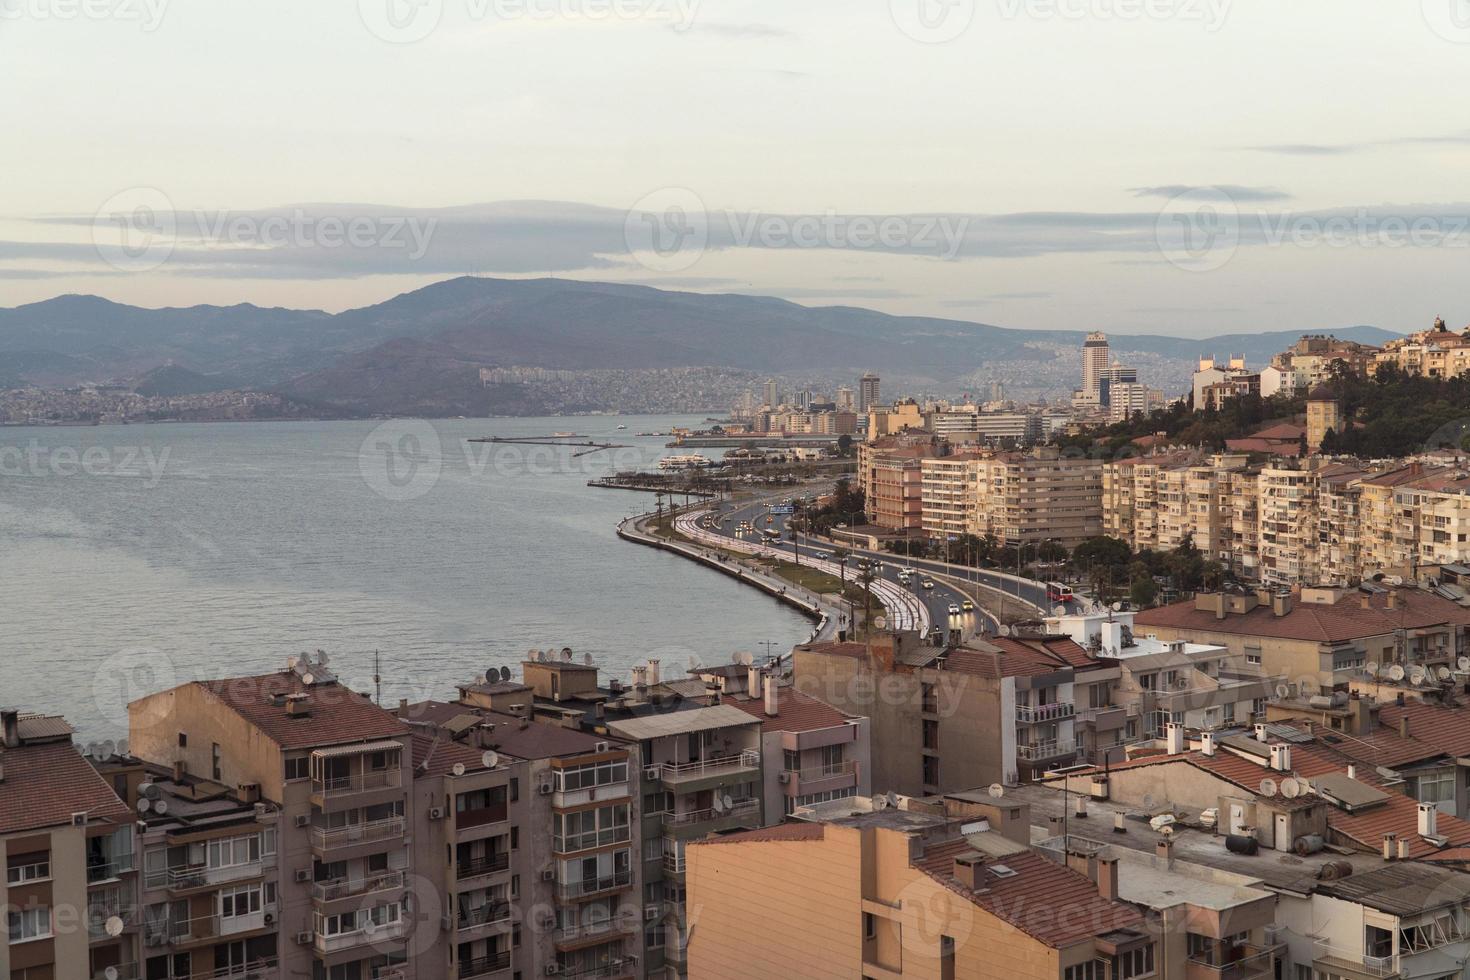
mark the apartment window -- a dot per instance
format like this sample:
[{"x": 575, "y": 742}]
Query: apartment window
[
  {"x": 1228, "y": 713},
  {"x": 597, "y": 774},
  {"x": 214, "y": 758},
  {"x": 27, "y": 924},
  {"x": 1437, "y": 787},
  {"x": 298, "y": 768},
  {"x": 653, "y": 937},
  {"x": 870, "y": 926},
  {"x": 1148, "y": 681},
  {"x": 236, "y": 902},
  {"x": 1091, "y": 970},
  {"x": 183, "y": 740},
  {"x": 930, "y": 693},
  {"x": 234, "y": 851},
  {"x": 931, "y": 770},
  {"x": 1253, "y": 657},
  {"x": 931, "y": 734},
  {"x": 1135, "y": 963},
  {"x": 1258, "y": 707},
  {"x": 1099, "y": 696},
  {"x": 792, "y": 759},
  {"x": 21, "y": 868},
  {"x": 832, "y": 759}
]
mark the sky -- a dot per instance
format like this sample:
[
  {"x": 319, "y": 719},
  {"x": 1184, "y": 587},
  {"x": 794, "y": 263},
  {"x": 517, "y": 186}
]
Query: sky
[{"x": 1188, "y": 167}]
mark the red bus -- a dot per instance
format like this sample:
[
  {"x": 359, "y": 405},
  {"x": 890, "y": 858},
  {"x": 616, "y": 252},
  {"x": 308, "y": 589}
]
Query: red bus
[{"x": 1057, "y": 592}]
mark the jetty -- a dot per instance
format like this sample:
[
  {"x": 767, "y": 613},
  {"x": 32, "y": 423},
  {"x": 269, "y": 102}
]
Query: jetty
[{"x": 586, "y": 445}]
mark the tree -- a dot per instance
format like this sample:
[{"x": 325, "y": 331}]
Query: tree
[
  {"x": 1143, "y": 591},
  {"x": 866, "y": 576}
]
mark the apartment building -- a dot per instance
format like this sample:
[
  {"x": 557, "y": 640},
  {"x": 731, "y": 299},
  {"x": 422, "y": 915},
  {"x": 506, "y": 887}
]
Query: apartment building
[
  {"x": 1389, "y": 510},
  {"x": 1039, "y": 495},
  {"x": 340, "y": 769},
  {"x": 1340, "y": 524},
  {"x": 995, "y": 711},
  {"x": 67, "y": 842},
  {"x": 948, "y": 494},
  {"x": 1313, "y": 358},
  {"x": 1324, "y": 634},
  {"x": 891, "y": 476},
  {"x": 1287, "y": 500},
  {"x": 933, "y": 889},
  {"x": 1435, "y": 353}
]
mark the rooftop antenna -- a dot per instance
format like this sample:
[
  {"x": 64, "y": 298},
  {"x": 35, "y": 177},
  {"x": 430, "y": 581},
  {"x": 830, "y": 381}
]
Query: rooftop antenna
[{"x": 377, "y": 678}]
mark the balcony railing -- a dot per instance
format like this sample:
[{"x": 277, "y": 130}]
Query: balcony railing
[
  {"x": 362, "y": 782},
  {"x": 1257, "y": 963},
  {"x": 361, "y": 937},
  {"x": 484, "y": 865},
  {"x": 107, "y": 870},
  {"x": 204, "y": 927},
  {"x": 583, "y": 887},
  {"x": 749, "y": 759},
  {"x": 260, "y": 969},
  {"x": 602, "y": 837},
  {"x": 1031, "y": 714},
  {"x": 812, "y": 773},
  {"x": 100, "y": 913},
  {"x": 121, "y": 971},
  {"x": 481, "y": 965},
  {"x": 1038, "y": 751},
  {"x": 324, "y": 838},
  {"x": 1377, "y": 966},
  {"x": 483, "y": 915},
  {"x": 201, "y": 876},
  {"x": 688, "y": 818},
  {"x": 497, "y": 813},
  {"x": 605, "y": 928},
  {"x": 331, "y": 891}
]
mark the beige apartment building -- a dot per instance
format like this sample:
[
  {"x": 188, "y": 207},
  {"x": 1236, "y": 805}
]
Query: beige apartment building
[
  {"x": 948, "y": 494},
  {"x": 67, "y": 843},
  {"x": 1039, "y": 495},
  {"x": 936, "y": 889}
]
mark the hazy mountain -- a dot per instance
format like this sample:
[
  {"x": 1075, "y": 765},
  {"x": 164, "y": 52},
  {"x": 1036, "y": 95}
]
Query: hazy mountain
[{"x": 419, "y": 350}]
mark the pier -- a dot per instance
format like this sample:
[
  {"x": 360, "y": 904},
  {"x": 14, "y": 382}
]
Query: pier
[{"x": 586, "y": 445}]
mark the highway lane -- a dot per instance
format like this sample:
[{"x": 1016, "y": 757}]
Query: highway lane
[{"x": 935, "y": 602}]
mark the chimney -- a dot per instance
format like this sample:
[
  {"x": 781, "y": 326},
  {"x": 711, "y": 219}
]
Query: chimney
[
  {"x": 11, "y": 724},
  {"x": 969, "y": 869},
  {"x": 1403, "y": 850},
  {"x": 753, "y": 681},
  {"x": 296, "y": 707},
  {"x": 1107, "y": 878},
  {"x": 1428, "y": 820},
  {"x": 1165, "y": 851},
  {"x": 652, "y": 673},
  {"x": 1174, "y": 738},
  {"x": 1392, "y": 602},
  {"x": 1404, "y": 725},
  {"x": 1281, "y": 604},
  {"x": 1390, "y": 846},
  {"x": 403, "y": 707},
  {"x": 1281, "y": 758},
  {"x": 1261, "y": 735},
  {"x": 1081, "y": 811},
  {"x": 1119, "y": 826},
  {"x": 1363, "y": 601},
  {"x": 773, "y": 706},
  {"x": 1352, "y": 771},
  {"x": 1207, "y": 743},
  {"x": 179, "y": 770},
  {"x": 640, "y": 672}
]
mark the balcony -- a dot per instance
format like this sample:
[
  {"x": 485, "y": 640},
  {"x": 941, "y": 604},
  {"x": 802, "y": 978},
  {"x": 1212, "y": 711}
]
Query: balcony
[
  {"x": 187, "y": 878},
  {"x": 617, "y": 834},
  {"x": 820, "y": 779},
  {"x": 100, "y": 913},
  {"x": 334, "y": 791},
  {"x": 1257, "y": 963},
  {"x": 593, "y": 887},
  {"x": 739, "y": 814},
  {"x": 484, "y": 965},
  {"x": 329, "y": 842},
  {"x": 487, "y": 864},
  {"x": 206, "y": 928},
  {"x": 361, "y": 937},
  {"x": 262, "y": 969},
  {"x": 1105, "y": 719},
  {"x": 674, "y": 864},
  {"x": 99, "y": 871},
  {"x": 1035, "y": 714},
  {"x": 483, "y": 915},
  {"x": 590, "y": 933},
  {"x": 465, "y": 819},
  {"x": 1045, "y": 751},
  {"x": 1338, "y": 959},
  {"x": 120, "y": 971},
  {"x": 340, "y": 888},
  {"x": 676, "y": 775}
]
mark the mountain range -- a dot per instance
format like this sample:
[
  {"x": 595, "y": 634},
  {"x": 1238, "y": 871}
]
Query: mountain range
[{"x": 420, "y": 352}]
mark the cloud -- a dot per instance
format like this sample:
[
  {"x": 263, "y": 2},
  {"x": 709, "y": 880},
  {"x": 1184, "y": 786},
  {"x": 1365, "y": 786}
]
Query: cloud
[
  {"x": 1340, "y": 149},
  {"x": 742, "y": 32},
  {"x": 1304, "y": 149},
  {"x": 1235, "y": 192}
]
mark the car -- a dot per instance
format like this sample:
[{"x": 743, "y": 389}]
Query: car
[
  {"x": 969, "y": 605},
  {"x": 928, "y": 583},
  {"x": 954, "y": 610}
]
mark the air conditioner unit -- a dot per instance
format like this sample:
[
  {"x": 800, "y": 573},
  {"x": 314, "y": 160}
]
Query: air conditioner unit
[
  {"x": 303, "y": 819},
  {"x": 303, "y": 874},
  {"x": 601, "y": 747},
  {"x": 436, "y": 813},
  {"x": 305, "y": 938},
  {"x": 548, "y": 874},
  {"x": 447, "y": 923},
  {"x": 650, "y": 772},
  {"x": 783, "y": 777},
  {"x": 544, "y": 789},
  {"x": 270, "y": 918},
  {"x": 650, "y": 912},
  {"x": 155, "y": 939},
  {"x": 79, "y": 819},
  {"x": 552, "y": 969}
]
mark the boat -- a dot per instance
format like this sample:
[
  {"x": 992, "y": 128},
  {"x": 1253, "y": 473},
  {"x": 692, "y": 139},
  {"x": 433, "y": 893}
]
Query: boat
[
  {"x": 684, "y": 462},
  {"x": 563, "y": 435},
  {"x": 622, "y": 427}
]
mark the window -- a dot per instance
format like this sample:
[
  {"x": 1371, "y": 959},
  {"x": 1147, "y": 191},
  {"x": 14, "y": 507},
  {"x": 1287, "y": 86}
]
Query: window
[
  {"x": 183, "y": 740},
  {"x": 931, "y": 734},
  {"x": 653, "y": 937},
  {"x": 791, "y": 760},
  {"x": 232, "y": 852},
  {"x": 931, "y": 770},
  {"x": 235, "y": 902},
  {"x": 1254, "y": 659},
  {"x": 21, "y": 868},
  {"x": 870, "y": 926},
  {"x": 586, "y": 777},
  {"x": 930, "y": 694},
  {"x": 214, "y": 759},
  {"x": 1091, "y": 970},
  {"x": 27, "y": 924},
  {"x": 1135, "y": 963},
  {"x": 1437, "y": 787},
  {"x": 298, "y": 768},
  {"x": 591, "y": 828}
]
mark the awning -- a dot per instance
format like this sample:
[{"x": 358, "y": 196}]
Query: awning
[{"x": 361, "y": 748}]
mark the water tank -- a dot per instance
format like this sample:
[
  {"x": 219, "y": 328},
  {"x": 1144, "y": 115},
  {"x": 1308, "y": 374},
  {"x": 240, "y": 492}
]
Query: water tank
[
  {"x": 1308, "y": 844},
  {"x": 1333, "y": 870},
  {"x": 1241, "y": 844},
  {"x": 1320, "y": 701}
]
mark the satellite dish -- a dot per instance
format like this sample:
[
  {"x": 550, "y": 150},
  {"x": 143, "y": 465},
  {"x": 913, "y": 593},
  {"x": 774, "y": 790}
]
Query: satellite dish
[
  {"x": 729, "y": 803},
  {"x": 1268, "y": 787},
  {"x": 1444, "y": 673},
  {"x": 490, "y": 759},
  {"x": 93, "y": 750},
  {"x": 892, "y": 799},
  {"x": 458, "y": 769},
  {"x": 308, "y": 678},
  {"x": 150, "y": 790},
  {"x": 1291, "y": 788},
  {"x": 122, "y": 746},
  {"x": 1463, "y": 663},
  {"x": 1148, "y": 801},
  {"x": 1396, "y": 672},
  {"x": 492, "y": 675},
  {"x": 505, "y": 673},
  {"x": 719, "y": 805},
  {"x": 1416, "y": 674},
  {"x": 1371, "y": 669},
  {"x": 587, "y": 658},
  {"x": 1282, "y": 691},
  {"x": 997, "y": 790},
  {"x": 160, "y": 807},
  {"x": 104, "y": 751},
  {"x": 1116, "y": 607},
  {"x": 322, "y": 658},
  {"x": 1059, "y": 610},
  {"x": 144, "y": 804},
  {"x": 880, "y": 622},
  {"x": 114, "y": 927}
]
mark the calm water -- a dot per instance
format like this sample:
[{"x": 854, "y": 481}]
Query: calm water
[{"x": 135, "y": 557}]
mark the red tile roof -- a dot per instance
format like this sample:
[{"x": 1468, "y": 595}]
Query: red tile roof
[
  {"x": 1049, "y": 902},
  {"x": 1322, "y": 622},
  {"x": 797, "y": 712},
  {"x": 1433, "y": 729},
  {"x": 336, "y": 714},
  {"x": 1019, "y": 657},
  {"x": 45, "y": 784},
  {"x": 439, "y": 759},
  {"x": 796, "y": 830}
]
